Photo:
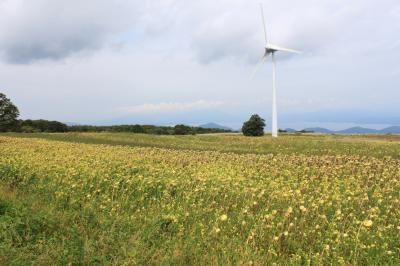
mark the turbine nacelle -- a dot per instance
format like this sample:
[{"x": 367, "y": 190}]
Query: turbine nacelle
[
  {"x": 270, "y": 48},
  {"x": 269, "y": 51}
]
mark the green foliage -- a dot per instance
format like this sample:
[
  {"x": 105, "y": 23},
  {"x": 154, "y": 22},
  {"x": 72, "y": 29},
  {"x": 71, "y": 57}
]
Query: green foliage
[
  {"x": 148, "y": 129},
  {"x": 29, "y": 126},
  {"x": 34, "y": 230},
  {"x": 120, "y": 128},
  {"x": 8, "y": 114},
  {"x": 183, "y": 130},
  {"x": 22, "y": 231},
  {"x": 254, "y": 127}
]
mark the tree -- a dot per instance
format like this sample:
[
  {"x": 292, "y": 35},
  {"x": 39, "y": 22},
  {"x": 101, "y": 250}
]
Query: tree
[
  {"x": 137, "y": 129},
  {"x": 182, "y": 130},
  {"x": 42, "y": 125},
  {"x": 8, "y": 114},
  {"x": 254, "y": 127}
]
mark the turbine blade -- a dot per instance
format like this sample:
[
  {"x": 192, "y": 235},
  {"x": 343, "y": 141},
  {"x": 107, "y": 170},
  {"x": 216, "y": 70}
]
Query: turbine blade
[
  {"x": 264, "y": 25},
  {"x": 259, "y": 64},
  {"x": 278, "y": 48}
]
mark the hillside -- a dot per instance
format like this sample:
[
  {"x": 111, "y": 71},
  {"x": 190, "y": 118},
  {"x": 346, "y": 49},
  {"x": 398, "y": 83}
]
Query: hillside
[
  {"x": 357, "y": 130},
  {"x": 214, "y": 125}
]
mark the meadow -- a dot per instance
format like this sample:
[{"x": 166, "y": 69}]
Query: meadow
[{"x": 132, "y": 199}]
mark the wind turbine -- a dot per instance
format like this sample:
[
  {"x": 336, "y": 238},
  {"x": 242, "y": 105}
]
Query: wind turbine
[{"x": 271, "y": 49}]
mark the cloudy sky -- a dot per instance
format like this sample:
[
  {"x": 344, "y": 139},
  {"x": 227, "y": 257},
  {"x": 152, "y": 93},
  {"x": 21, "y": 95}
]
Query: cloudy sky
[{"x": 166, "y": 62}]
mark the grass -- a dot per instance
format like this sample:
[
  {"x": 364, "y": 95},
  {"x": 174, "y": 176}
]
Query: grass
[
  {"x": 125, "y": 199},
  {"x": 32, "y": 230},
  {"x": 308, "y": 144}
]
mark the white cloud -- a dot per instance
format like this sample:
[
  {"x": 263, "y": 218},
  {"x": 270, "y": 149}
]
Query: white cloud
[{"x": 171, "y": 106}]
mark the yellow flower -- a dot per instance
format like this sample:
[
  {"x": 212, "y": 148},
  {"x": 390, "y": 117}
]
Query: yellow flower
[
  {"x": 367, "y": 223},
  {"x": 223, "y": 217},
  {"x": 303, "y": 209}
]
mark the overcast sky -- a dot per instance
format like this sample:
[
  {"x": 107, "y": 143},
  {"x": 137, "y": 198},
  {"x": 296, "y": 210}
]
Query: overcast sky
[{"x": 117, "y": 61}]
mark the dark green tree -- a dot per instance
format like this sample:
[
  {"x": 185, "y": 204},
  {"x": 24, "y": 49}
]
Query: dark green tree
[
  {"x": 8, "y": 114},
  {"x": 254, "y": 127},
  {"x": 42, "y": 125},
  {"x": 182, "y": 130}
]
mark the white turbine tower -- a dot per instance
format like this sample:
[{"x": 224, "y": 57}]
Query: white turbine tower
[{"x": 271, "y": 49}]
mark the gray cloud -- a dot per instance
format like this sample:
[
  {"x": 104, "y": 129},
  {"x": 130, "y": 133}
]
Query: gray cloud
[
  {"x": 54, "y": 29},
  {"x": 234, "y": 30},
  {"x": 213, "y": 30},
  {"x": 120, "y": 53}
]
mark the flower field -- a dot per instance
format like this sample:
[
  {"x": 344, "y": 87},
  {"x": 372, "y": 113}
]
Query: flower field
[{"x": 319, "y": 201}]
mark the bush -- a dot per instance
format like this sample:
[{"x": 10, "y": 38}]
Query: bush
[
  {"x": 42, "y": 125},
  {"x": 182, "y": 130},
  {"x": 29, "y": 129},
  {"x": 254, "y": 127}
]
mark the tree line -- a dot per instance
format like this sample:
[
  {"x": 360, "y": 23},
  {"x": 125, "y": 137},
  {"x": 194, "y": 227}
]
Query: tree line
[
  {"x": 148, "y": 129},
  {"x": 37, "y": 126},
  {"x": 9, "y": 122}
]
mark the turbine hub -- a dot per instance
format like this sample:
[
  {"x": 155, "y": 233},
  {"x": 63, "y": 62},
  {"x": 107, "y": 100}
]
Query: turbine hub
[{"x": 269, "y": 50}]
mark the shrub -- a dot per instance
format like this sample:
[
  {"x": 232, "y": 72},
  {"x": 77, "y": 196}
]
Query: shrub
[
  {"x": 182, "y": 130},
  {"x": 254, "y": 127}
]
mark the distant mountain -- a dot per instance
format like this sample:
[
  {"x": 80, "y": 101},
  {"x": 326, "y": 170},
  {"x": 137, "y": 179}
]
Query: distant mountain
[
  {"x": 393, "y": 130},
  {"x": 290, "y": 130},
  {"x": 356, "y": 130},
  {"x": 214, "y": 125}
]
